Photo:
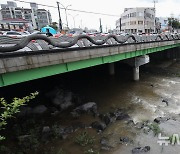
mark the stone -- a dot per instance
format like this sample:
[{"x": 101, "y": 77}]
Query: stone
[
  {"x": 139, "y": 150},
  {"x": 68, "y": 130},
  {"x": 161, "y": 119},
  {"x": 104, "y": 141},
  {"x": 78, "y": 125},
  {"x": 40, "y": 109},
  {"x": 121, "y": 115},
  {"x": 46, "y": 129},
  {"x": 106, "y": 118},
  {"x": 89, "y": 107},
  {"x": 25, "y": 141},
  {"x": 165, "y": 101},
  {"x": 25, "y": 111},
  {"x": 105, "y": 148},
  {"x": 61, "y": 99},
  {"x": 124, "y": 140},
  {"x": 46, "y": 133},
  {"x": 100, "y": 126}
]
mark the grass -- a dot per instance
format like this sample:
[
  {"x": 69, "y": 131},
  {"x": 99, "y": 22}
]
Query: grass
[
  {"x": 155, "y": 128},
  {"x": 84, "y": 139},
  {"x": 91, "y": 151}
]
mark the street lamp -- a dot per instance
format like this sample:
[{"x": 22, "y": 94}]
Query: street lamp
[
  {"x": 74, "y": 18},
  {"x": 65, "y": 9}
]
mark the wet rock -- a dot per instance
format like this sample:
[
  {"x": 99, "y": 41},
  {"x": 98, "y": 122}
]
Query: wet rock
[
  {"x": 104, "y": 141},
  {"x": 146, "y": 129},
  {"x": 78, "y": 125},
  {"x": 68, "y": 130},
  {"x": 161, "y": 119},
  {"x": 62, "y": 133},
  {"x": 105, "y": 144},
  {"x": 25, "y": 141},
  {"x": 54, "y": 111},
  {"x": 139, "y": 125},
  {"x": 125, "y": 140},
  {"x": 68, "y": 101},
  {"x": 46, "y": 133},
  {"x": 58, "y": 132},
  {"x": 40, "y": 109},
  {"x": 106, "y": 148},
  {"x": 165, "y": 101},
  {"x": 121, "y": 115},
  {"x": 25, "y": 111},
  {"x": 61, "y": 99},
  {"x": 100, "y": 126},
  {"x": 107, "y": 118},
  {"x": 139, "y": 150},
  {"x": 89, "y": 107},
  {"x": 144, "y": 124}
]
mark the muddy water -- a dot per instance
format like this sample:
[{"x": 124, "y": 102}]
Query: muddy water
[{"x": 142, "y": 100}]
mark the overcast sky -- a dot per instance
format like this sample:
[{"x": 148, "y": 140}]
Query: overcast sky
[{"x": 164, "y": 8}]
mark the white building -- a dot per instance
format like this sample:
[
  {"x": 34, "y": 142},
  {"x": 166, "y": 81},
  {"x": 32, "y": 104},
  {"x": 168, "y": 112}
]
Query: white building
[
  {"x": 162, "y": 24},
  {"x": 138, "y": 19},
  {"x": 38, "y": 17}
]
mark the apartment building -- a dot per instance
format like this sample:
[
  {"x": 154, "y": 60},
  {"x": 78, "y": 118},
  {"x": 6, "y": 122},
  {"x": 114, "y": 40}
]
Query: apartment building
[
  {"x": 38, "y": 17},
  {"x": 134, "y": 20}
]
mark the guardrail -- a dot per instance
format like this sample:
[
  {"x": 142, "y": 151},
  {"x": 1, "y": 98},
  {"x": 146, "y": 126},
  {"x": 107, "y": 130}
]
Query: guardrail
[{"x": 34, "y": 41}]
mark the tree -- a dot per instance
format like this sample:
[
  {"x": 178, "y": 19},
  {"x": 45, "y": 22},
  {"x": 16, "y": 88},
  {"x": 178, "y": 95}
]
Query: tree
[
  {"x": 54, "y": 25},
  {"x": 9, "y": 109},
  {"x": 174, "y": 23}
]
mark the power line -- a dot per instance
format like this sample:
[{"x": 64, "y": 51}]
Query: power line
[{"x": 82, "y": 11}]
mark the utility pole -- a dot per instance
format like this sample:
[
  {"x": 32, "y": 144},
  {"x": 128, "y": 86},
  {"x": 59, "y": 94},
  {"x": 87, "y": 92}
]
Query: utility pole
[
  {"x": 172, "y": 18},
  {"x": 155, "y": 1},
  {"x": 60, "y": 22},
  {"x": 144, "y": 20},
  {"x": 120, "y": 24},
  {"x": 100, "y": 28},
  {"x": 65, "y": 9}
]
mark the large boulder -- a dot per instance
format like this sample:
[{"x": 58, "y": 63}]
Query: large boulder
[
  {"x": 40, "y": 109},
  {"x": 99, "y": 126},
  {"x": 61, "y": 99},
  {"x": 46, "y": 134},
  {"x": 90, "y": 107},
  {"x": 25, "y": 111}
]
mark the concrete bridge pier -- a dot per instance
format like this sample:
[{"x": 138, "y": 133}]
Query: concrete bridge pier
[
  {"x": 111, "y": 68},
  {"x": 135, "y": 63},
  {"x": 136, "y": 73}
]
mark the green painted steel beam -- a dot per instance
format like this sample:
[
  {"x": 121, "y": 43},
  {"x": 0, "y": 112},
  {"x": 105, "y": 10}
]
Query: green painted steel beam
[{"x": 31, "y": 74}]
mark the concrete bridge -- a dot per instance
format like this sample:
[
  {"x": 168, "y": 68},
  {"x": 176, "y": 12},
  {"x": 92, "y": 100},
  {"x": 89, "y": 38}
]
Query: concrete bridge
[{"x": 37, "y": 56}]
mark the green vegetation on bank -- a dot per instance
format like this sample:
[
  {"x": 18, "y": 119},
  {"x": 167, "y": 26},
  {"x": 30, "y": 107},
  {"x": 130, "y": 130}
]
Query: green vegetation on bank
[{"x": 9, "y": 109}]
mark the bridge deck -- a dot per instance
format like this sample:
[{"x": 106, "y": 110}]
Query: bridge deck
[{"x": 18, "y": 67}]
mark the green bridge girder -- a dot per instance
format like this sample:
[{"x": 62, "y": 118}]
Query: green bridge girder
[{"x": 36, "y": 73}]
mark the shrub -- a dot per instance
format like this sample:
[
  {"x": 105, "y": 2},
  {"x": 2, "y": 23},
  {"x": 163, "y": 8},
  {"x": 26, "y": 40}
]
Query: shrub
[{"x": 9, "y": 109}]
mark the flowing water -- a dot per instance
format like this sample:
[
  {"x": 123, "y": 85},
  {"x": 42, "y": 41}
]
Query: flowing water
[{"x": 142, "y": 100}]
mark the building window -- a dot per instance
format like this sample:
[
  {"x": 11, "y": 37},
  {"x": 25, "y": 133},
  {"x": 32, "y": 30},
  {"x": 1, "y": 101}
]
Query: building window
[
  {"x": 140, "y": 22},
  {"x": 140, "y": 14},
  {"x": 133, "y": 14},
  {"x": 132, "y": 22}
]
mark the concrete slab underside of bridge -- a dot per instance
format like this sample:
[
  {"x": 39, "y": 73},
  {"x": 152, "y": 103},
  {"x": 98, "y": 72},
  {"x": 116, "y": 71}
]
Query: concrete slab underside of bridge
[{"x": 31, "y": 74}]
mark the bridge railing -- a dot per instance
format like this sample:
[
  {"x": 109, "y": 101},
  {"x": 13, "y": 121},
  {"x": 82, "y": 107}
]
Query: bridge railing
[{"x": 40, "y": 42}]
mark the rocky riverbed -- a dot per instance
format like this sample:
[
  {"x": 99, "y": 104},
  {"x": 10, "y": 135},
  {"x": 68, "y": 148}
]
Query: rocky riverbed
[{"x": 101, "y": 114}]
